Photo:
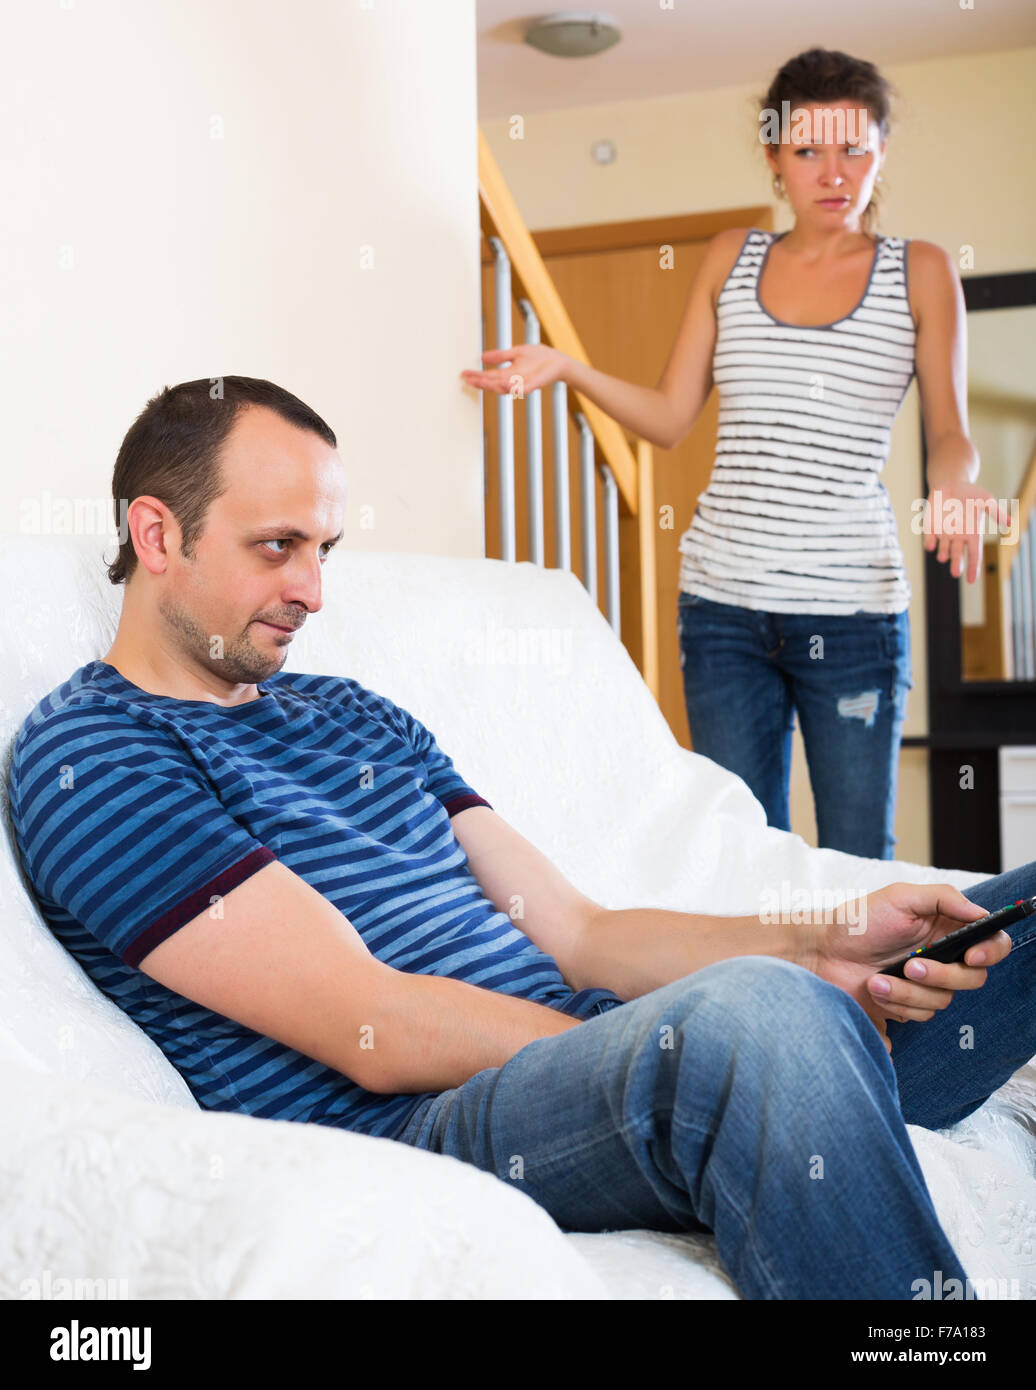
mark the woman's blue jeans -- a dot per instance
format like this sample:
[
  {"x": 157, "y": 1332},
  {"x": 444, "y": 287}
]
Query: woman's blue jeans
[
  {"x": 757, "y": 1101},
  {"x": 745, "y": 673}
]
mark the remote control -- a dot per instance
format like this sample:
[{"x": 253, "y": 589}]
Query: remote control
[{"x": 952, "y": 947}]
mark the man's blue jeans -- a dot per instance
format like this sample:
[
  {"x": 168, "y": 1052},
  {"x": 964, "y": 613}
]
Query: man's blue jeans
[
  {"x": 755, "y": 1100},
  {"x": 745, "y": 673}
]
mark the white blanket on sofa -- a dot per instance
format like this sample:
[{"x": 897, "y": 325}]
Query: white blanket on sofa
[{"x": 541, "y": 709}]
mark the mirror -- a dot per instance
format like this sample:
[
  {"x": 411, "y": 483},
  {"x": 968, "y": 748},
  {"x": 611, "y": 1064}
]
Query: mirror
[{"x": 998, "y": 611}]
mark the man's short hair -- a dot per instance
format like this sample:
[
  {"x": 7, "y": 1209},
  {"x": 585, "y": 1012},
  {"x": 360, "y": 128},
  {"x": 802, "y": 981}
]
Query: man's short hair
[{"x": 172, "y": 451}]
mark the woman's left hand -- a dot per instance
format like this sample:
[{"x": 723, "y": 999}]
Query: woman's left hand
[{"x": 956, "y": 516}]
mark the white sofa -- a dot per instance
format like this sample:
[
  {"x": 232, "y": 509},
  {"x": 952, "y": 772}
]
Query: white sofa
[{"x": 110, "y": 1171}]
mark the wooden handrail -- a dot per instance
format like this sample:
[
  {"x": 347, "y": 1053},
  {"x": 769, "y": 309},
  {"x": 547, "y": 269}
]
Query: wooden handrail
[{"x": 500, "y": 217}]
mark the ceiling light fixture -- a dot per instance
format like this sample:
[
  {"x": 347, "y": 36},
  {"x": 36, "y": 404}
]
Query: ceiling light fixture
[{"x": 573, "y": 34}]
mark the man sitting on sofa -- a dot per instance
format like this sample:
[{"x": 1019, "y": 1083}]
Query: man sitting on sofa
[{"x": 286, "y": 883}]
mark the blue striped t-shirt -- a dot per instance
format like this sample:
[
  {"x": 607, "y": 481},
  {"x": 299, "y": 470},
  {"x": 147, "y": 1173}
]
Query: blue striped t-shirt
[{"x": 134, "y": 812}]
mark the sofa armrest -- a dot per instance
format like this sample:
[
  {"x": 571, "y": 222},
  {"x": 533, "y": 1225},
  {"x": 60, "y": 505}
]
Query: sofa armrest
[{"x": 180, "y": 1204}]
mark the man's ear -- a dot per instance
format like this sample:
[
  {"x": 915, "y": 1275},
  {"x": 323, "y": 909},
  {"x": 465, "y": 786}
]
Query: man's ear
[{"x": 154, "y": 530}]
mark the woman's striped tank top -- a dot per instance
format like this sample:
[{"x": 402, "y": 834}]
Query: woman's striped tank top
[{"x": 795, "y": 518}]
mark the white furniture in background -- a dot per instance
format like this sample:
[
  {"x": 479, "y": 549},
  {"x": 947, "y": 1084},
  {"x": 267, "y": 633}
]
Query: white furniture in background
[
  {"x": 109, "y": 1169},
  {"x": 1017, "y": 806}
]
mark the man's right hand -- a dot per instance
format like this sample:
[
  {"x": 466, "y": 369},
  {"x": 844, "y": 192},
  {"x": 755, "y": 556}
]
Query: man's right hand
[{"x": 896, "y": 920}]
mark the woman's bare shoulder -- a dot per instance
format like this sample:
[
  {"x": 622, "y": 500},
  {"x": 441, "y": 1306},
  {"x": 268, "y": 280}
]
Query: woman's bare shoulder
[
  {"x": 722, "y": 253},
  {"x": 932, "y": 277},
  {"x": 927, "y": 253}
]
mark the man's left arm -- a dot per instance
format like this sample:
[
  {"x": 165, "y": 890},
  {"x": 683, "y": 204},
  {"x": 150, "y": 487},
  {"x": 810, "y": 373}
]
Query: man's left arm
[{"x": 630, "y": 951}]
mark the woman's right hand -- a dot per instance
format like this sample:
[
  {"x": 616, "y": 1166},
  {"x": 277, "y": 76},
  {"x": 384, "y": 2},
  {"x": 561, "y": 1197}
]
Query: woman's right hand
[{"x": 535, "y": 364}]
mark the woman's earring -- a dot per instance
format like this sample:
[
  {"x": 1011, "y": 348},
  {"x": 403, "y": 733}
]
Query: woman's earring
[{"x": 778, "y": 185}]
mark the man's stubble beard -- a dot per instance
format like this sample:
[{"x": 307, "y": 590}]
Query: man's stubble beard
[{"x": 241, "y": 662}]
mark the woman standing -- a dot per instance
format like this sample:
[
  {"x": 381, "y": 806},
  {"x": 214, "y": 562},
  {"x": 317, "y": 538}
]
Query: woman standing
[{"x": 793, "y": 594}]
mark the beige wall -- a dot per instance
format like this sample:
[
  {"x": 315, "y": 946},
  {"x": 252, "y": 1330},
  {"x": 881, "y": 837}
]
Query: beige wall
[
  {"x": 194, "y": 189},
  {"x": 959, "y": 173},
  {"x": 189, "y": 189}
]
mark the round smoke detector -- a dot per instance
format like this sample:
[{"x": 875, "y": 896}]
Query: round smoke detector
[{"x": 573, "y": 34}]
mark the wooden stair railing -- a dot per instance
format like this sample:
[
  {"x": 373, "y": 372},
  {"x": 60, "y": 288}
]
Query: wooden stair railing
[{"x": 627, "y": 473}]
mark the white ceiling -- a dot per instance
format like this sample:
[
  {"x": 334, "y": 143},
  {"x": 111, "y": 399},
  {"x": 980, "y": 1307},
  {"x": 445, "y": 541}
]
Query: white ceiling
[{"x": 696, "y": 45}]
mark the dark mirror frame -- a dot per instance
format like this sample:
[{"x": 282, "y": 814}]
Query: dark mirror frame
[{"x": 968, "y": 721}]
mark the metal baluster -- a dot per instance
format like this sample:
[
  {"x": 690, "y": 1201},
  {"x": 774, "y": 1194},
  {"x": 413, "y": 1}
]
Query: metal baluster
[
  {"x": 485, "y": 440},
  {"x": 534, "y": 444},
  {"x": 562, "y": 519},
  {"x": 505, "y": 404},
  {"x": 587, "y": 504},
  {"x": 611, "y": 547}
]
